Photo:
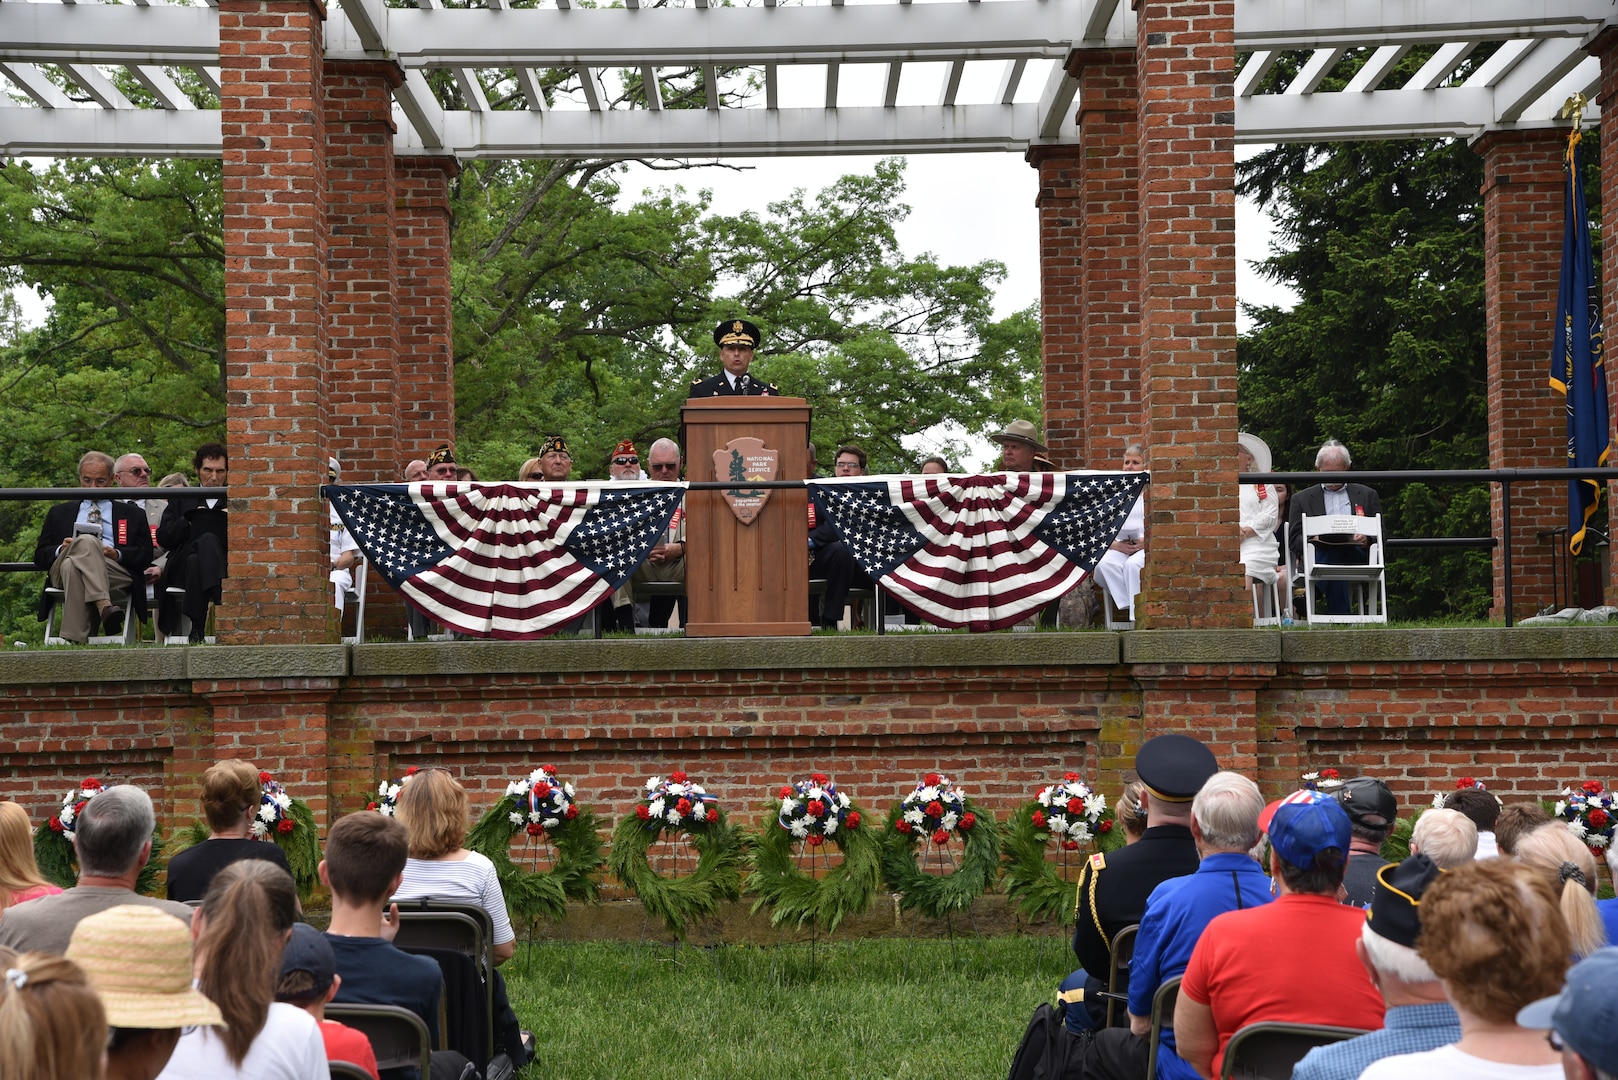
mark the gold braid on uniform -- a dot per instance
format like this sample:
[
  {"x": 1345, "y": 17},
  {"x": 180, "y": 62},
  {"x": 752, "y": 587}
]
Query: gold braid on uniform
[{"x": 1095, "y": 876}]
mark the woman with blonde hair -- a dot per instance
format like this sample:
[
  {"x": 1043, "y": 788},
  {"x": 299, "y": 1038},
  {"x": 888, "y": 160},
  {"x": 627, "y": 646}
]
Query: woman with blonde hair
[
  {"x": 530, "y": 471},
  {"x": 231, "y": 795},
  {"x": 1128, "y": 813},
  {"x": 1570, "y": 870},
  {"x": 52, "y": 1026},
  {"x": 20, "y": 879},
  {"x": 433, "y": 809},
  {"x": 241, "y": 929}
]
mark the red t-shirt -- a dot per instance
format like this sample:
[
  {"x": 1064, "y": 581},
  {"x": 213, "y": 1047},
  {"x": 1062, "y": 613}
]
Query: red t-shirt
[
  {"x": 1292, "y": 961},
  {"x": 344, "y": 1043}
]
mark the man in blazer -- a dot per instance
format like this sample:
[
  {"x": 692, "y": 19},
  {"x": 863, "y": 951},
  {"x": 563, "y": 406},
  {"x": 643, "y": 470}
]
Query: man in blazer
[
  {"x": 195, "y": 533},
  {"x": 736, "y": 338},
  {"x": 1340, "y": 549},
  {"x": 93, "y": 550}
]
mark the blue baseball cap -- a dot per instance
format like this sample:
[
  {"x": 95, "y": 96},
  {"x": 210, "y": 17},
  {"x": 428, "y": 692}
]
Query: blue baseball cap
[
  {"x": 1304, "y": 824},
  {"x": 1585, "y": 1013}
]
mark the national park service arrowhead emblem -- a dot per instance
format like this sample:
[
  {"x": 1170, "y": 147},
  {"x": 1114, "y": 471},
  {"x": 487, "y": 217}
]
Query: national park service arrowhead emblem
[{"x": 746, "y": 461}]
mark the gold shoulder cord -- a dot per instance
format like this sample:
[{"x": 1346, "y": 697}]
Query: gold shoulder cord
[{"x": 1089, "y": 872}]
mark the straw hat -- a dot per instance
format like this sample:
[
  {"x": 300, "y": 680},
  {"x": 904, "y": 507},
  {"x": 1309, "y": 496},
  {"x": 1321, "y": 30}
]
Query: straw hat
[
  {"x": 1258, "y": 448},
  {"x": 139, "y": 962}
]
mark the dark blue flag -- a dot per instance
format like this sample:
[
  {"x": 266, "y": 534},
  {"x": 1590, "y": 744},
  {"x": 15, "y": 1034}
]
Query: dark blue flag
[{"x": 1577, "y": 369}]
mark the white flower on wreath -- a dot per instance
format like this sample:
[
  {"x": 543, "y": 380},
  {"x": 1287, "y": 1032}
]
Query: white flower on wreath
[
  {"x": 948, "y": 820},
  {"x": 516, "y": 818},
  {"x": 1080, "y": 832},
  {"x": 1577, "y": 828},
  {"x": 516, "y": 788},
  {"x": 829, "y": 826},
  {"x": 799, "y": 828},
  {"x": 568, "y": 787},
  {"x": 699, "y": 812},
  {"x": 655, "y": 807},
  {"x": 816, "y": 792},
  {"x": 788, "y": 805},
  {"x": 1057, "y": 822},
  {"x": 1559, "y": 809},
  {"x": 927, "y": 794},
  {"x": 1095, "y": 804},
  {"x": 551, "y": 822},
  {"x": 266, "y": 812},
  {"x": 672, "y": 817},
  {"x": 651, "y": 784},
  {"x": 1044, "y": 796},
  {"x": 844, "y": 801},
  {"x": 535, "y": 816},
  {"x": 258, "y": 830},
  {"x": 914, "y": 815}
]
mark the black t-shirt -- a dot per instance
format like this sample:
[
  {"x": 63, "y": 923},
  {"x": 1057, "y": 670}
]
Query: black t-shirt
[{"x": 192, "y": 870}]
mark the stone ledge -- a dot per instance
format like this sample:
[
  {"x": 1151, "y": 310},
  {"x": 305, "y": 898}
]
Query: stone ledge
[
  {"x": 1363, "y": 646},
  {"x": 216, "y": 662},
  {"x": 737, "y": 654},
  {"x": 97, "y": 664},
  {"x": 1201, "y": 647}
]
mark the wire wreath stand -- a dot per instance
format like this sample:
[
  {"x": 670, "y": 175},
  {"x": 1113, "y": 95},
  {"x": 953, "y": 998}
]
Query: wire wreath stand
[
  {"x": 939, "y": 861},
  {"x": 675, "y": 856}
]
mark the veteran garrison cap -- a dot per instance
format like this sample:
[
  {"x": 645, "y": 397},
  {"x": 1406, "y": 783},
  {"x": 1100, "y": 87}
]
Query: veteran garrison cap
[
  {"x": 737, "y": 332},
  {"x": 445, "y": 454},
  {"x": 1174, "y": 767},
  {"x": 1396, "y": 902},
  {"x": 554, "y": 444}
]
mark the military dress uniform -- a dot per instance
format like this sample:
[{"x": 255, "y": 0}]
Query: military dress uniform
[
  {"x": 734, "y": 332},
  {"x": 1113, "y": 886}
]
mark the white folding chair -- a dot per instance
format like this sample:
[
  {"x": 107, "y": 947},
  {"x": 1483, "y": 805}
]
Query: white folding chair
[
  {"x": 1367, "y": 581},
  {"x": 1265, "y": 614},
  {"x": 53, "y": 636},
  {"x": 355, "y": 597},
  {"x": 1113, "y": 618},
  {"x": 183, "y": 637}
]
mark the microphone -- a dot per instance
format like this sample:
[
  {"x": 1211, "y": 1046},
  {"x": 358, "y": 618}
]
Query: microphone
[{"x": 745, "y": 384}]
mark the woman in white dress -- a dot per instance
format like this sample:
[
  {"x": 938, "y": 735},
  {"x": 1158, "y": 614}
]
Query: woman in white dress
[
  {"x": 1260, "y": 513},
  {"x": 1121, "y": 564}
]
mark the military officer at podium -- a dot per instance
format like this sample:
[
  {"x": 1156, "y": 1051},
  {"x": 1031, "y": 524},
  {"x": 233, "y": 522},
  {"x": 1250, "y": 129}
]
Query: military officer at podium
[{"x": 736, "y": 338}]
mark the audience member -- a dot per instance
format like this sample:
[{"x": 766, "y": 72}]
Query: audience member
[
  {"x": 1570, "y": 870},
  {"x": 1291, "y": 961},
  {"x": 1224, "y": 824},
  {"x": 1419, "y": 1017},
  {"x": 441, "y": 465},
  {"x": 1447, "y": 837},
  {"x": 1129, "y": 812},
  {"x": 364, "y": 864},
  {"x": 625, "y": 462},
  {"x": 139, "y": 963},
  {"x": 1484, "y": 810},
  {"x": 240, "y": 931},
  {"x": 829, "y": 556},
  {"x": 1337, "y": 500},
  {"x": 1609, "y": 908},
  {"x": 1583, "y": 1018},
  {"x": 94, "y": 550},
  {"x": 465, "y": 475},
  {"x": 131, "y": 471},
  {"x": 1121, "y": 564},
  {"x": 231, "y": 796},
  {"x": 196, "y": 534},
  {"x": 933, "y": 465},
  {"x": 1259, "y": 510},
  {"x": 20, "y": 879},
  {"x": 52, "y": 1026},
  {"x": 555, "y": 461},
  {"x": 737, "y": 339},
  {"x": 438, "y": 468},
  {"x": 1113, "y": 888},
  {"x": 529, "y": 471},
  {"x": 666, "y": 563},
  {"x": 415, "y": 471},
  {"x": 309, "y": 981},
  {"x": 619, "y": 609},
  {"x": 432, "y": 808},
  {"x": 1490, "y": 934},
  {"x": 1516, "y": 821},
  {"x": 1371, "y": 810},
  {"x": 345, "y": 550},
  {"x": 112, "y": 837},
  {"x": 1019, "y": 445}
]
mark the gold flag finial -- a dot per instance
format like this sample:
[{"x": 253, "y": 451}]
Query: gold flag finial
[{"x": 1573, "y": 109}]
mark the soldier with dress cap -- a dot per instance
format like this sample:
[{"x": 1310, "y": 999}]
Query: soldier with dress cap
[
  {"x": 736, "y": 338},
  {"x": 1113, "y": 886}
]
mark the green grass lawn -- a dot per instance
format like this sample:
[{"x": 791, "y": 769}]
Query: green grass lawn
[{"x": 873, "y": 1009}]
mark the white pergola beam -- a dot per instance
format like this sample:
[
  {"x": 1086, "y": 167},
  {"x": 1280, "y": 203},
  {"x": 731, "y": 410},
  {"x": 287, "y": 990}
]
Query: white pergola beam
[
  {"x": 1372, "y": 73},
  {"x": 163, "y": 88},
  {"x": 98, "y": 33},
  {"x": 1056, "y": 102},
  {"x": 1324, "y": 24},
  {"x": 109, "y": 133},
  {"x": 1315, "y": 70},
  {"x": 37, "y": 85},
  {"x": 1529, "y": 80},
  {"x": 98, "y": 86}
]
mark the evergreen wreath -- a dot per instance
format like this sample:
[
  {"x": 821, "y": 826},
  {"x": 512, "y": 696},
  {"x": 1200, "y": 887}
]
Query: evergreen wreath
[
  {"x": 1072, "y": 814},
  {"x": 813, "y": 811},
  {"x": 938, "y": 811},
  {"x": 673, "y": 806},
  {"x": 543, "y": 807},
  {"x": 286, "y": 822},
  {"x": 53, "y": 843}
]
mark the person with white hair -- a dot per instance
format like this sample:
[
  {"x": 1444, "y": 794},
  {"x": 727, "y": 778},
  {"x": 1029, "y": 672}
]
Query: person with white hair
[
  {"x": 1447, "y": 837},
  {"x": 1260, "y": 514},
  {"x": 1335, "y": 500},
  {"x": 1121, "y": 564}
]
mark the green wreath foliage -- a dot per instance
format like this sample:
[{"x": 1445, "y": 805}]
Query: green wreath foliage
[
  {"x": 793, "y": 896},
  {"x": 938, "y": 895},
  {"x": 1031, "y": 881},
  {"x": 721, "y": 856},
  {"x": 531, "y": 894},
  {"x": 57, "y": 864}
]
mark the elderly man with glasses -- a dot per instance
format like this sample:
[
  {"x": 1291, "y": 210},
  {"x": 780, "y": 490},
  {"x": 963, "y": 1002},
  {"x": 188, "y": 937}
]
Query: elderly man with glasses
[{"x": 93, "y": 550}]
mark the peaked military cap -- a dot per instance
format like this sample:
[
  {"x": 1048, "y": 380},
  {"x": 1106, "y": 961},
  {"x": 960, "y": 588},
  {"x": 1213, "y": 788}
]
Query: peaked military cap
[
  {"x": 737, "y": 332},
  {"x": 1174, "y": 767}
]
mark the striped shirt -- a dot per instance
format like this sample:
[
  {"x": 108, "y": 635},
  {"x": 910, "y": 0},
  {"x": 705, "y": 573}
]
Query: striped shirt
[{"x": 470, "y": 880}]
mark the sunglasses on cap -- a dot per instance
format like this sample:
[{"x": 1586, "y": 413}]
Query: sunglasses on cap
[{"x": 626, "y": 461}]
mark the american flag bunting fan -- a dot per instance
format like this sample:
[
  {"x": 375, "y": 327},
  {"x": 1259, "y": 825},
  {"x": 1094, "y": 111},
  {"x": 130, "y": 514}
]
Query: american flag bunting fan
[
  {"x": 514, "y": 561},
  {"x": 981, "y": 552}
]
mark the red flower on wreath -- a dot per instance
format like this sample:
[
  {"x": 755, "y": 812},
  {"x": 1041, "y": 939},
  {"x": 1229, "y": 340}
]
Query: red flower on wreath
[
  {"x": 90, "y": 783},
  {"x": 935, "y": 809},
  {"x": 815, "y": 839},
  {"x": 1070, "y": 776},
  {"x": 902, "y": 825},
  {"x": 1105, "y": 826},
  {"x": 56, "y": 825},
  {"x": 819, "y": 778},
  {"x": 678, "y": 777},
  {"x": 1330, "y": 774},
  {"x": 1038, "y": 819},
  {"x": 683, "y": 807},
  {"x": 264, "y": 778},
  {"x": 413, "y": 770},
  {"x": 932, "y": 779},
  {"x": 642, "y": 812},
  {"x": 1070, "y": 845},
  {"x": 1592, "y": 787},
  {"x": 548, "y": 769},
  {"x": 285, "y": 825},
  {"x": 941, "y": 837},
  {"x": 542, "y": 790},
  {"x": 786, "y": 791},
  {"x": 371, "y": 805},
  {"x": 1075, "y": 806},
  {"x": 535, "y": 829},
  {"x": 852, "y": 821},
  {"x": 1599, "y": 818},
  {"x": 572, "y": 812},
  {"x": 815, "y": 808},
  {"x": 968, "y": 820}
]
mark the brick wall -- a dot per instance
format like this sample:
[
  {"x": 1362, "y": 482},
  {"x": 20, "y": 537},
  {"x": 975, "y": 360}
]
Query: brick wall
[
  {"x": 426, "y": 359},
  {"x": 1522, "y": 236},
  {"x": 1186, "y": 131},
  {"x": 1061, "y": 299}
]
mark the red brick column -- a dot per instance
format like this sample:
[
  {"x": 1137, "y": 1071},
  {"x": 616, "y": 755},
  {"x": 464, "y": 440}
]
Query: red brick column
[
  {"x": 1109, "y": 141},
  {"x": 1522, "y": 256},
  {"x": 1060, "y": 204},
  {"x": 1186, "y": 51},
  {"x": 270, "y": 54},
  {"x": 426, "y": 351},
  {"x": 1606, "y": 47},
  {"x": 362, "y": 323}
]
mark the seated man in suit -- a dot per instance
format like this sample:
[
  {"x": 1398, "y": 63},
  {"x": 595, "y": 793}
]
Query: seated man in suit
[
  {"x": 93, "y": 550},
  {"x": 195, "y": 534},
  {"x": 736, "y": 338},
  {"x": 1338, "y": 549}
]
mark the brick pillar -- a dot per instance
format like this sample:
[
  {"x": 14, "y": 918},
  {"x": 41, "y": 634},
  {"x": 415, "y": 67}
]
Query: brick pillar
[
  {"x": 1061, "y": 298},
  {"x": 426, "y": 354},
  {"x": 270, "y": 55},
  {"x": 361, "y": 315},
  {"x": 1522, "y": 257},
  {"x": 1606, "y": 47},
  {"x": 1186, "y": 52},
  {"x": 1110, "y": 144}
]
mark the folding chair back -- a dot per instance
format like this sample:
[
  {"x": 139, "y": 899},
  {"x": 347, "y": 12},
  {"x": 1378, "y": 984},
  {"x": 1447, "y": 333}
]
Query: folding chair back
[
  {"x": 458, "y": 937},
  {"x": 1368, "y": 580},
  {"x": 53, "y": 636},
  {"x": 1163, "y": 1003},
  {"x": 1117, "y": 992},
  {"x": 347, "y": 1070},
  {"x": 398, "y": 1036},
  {"x": 1268, "y": 1051},
  {"x": 355, "y": 597}
]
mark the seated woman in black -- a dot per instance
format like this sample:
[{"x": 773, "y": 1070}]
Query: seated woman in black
[{"x": 230, "y": 797}]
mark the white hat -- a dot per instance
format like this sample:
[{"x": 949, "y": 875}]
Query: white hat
[{"x": 1258, "y": 448}]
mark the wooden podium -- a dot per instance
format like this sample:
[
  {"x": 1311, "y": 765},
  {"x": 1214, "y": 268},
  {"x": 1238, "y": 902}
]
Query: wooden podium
[{"x": 747, "y": 580}]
